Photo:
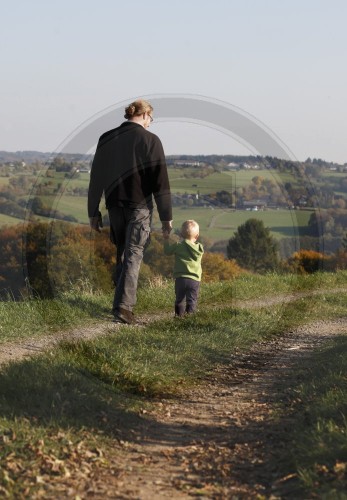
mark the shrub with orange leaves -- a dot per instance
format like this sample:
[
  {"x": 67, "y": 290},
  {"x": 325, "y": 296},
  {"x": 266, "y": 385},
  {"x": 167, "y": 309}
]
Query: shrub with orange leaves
[
  {"x": 215, "y": 267},
  {"x": 309, "y": 261}
]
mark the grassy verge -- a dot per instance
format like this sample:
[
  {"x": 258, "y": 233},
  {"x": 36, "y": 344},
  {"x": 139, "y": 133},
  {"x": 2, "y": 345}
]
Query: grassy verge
[
  {"x": 37, "y": 317},
  {"x": 318, "y": 435},
  {"x": 250, "y": 286},
  {"x": 60, "y": 414},
  {"x": 31, "y": 318}
]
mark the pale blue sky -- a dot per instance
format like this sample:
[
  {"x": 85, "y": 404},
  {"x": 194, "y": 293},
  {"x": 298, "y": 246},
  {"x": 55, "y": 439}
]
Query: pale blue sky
[{"x": 283, "y": 62}]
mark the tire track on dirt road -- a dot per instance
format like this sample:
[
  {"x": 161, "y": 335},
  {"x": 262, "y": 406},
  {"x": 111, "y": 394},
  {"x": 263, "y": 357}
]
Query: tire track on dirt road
[
  {"x": 24, "y": 348},
  {"x": 218, "y": 440}
]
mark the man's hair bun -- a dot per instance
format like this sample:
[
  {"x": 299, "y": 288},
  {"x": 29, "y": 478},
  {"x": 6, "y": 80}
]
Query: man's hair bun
[{"x": 137, "y": 108}]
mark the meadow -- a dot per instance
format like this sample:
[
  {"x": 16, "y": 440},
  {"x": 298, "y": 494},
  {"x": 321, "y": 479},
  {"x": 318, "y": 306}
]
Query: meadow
[
  {"x": 60, "y": 410},
  {"x": 219, "y": 224},
  {"x": 216, "y": 223}
]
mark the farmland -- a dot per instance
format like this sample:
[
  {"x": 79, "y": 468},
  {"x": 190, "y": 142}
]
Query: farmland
[
  {"x": 219, "y": 224},
  {"x": 195, "y": 192},
  {"x": 184, "y": 182},
  {"x": 215, "y": 223}
]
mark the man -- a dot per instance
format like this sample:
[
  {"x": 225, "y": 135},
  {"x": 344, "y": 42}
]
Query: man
[{"x": 129, "y": 167}]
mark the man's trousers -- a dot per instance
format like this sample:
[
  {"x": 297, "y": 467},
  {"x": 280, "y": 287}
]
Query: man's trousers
[{"x": 130, "y": 229}]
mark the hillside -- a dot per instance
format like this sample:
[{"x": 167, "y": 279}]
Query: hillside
[
  {"x": 246, "y": 398},
  {"x": 218, "y": 191}
]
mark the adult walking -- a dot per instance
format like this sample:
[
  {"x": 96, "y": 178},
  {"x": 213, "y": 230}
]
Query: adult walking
[{"x": 129, "y": 167}]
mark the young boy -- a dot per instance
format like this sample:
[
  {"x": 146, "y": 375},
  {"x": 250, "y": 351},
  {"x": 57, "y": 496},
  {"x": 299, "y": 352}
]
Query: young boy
[{"x": 187, "y": 268}]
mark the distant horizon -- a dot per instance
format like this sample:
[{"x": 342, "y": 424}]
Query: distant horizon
[{"x": 56, "y": 153}]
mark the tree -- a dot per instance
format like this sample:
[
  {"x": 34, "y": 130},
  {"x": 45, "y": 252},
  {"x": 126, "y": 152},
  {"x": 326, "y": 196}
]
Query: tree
[{"x": 253, "y": 247}]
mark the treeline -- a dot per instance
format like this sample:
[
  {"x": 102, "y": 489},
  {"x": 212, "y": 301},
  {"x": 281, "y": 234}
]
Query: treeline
[
  {"x": 253, "y": 248},
  {"x": 45, "y": 259},
  {"x": 292, "y": 194}
]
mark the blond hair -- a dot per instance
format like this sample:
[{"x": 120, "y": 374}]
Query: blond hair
[
  {"x": 189, "y": 229},
  {"x": 137, "y": 108}
]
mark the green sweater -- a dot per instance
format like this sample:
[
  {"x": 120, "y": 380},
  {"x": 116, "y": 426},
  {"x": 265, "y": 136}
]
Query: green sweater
[{"x": 187, "y": 258}]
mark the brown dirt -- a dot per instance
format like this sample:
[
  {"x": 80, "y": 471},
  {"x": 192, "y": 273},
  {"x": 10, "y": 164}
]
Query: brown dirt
[{"x": 219, "y": 439}]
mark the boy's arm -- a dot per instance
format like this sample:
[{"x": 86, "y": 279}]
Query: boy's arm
[{"x": 169, "y": 249}]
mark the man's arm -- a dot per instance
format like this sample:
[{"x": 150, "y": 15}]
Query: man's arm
[
  {"x": 160, "y": 183},
  {"x": 166, "y": 227},
  {"x": 95, "y": 191}
]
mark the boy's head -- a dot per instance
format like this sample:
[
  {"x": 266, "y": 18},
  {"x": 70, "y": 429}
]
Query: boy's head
[{"x": 190, "y": 230}]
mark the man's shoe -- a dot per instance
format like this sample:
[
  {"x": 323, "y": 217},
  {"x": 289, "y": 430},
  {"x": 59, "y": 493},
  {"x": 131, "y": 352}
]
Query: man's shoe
[{"x": 124, "y": 316}]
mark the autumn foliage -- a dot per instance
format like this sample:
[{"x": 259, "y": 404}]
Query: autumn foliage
[
  {"x": 217, "y": 268},
  {"x": 309, "y": 261},
  {"x": 43, "y": 259}
]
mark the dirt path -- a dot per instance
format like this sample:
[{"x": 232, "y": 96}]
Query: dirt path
[
  {"x": 15, "y": 351},
  {"x": 217, "y": 441}
]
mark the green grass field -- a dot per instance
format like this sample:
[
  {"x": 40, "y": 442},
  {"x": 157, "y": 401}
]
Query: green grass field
[
  {"x": 60, "y": 411},
  {"x": 7, "y": 220},
  {"x": 210, "y": 184},
  {"x": 227, "y": 181},
  {"x": 69, "y": 205},
  {"x": 218, "y": 224},
  {"x": 215, "y": 224},
  {"x": 4, "y": 181}
]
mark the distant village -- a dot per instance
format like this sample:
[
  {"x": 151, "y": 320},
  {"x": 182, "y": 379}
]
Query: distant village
[{"x": 261, "y": 194}]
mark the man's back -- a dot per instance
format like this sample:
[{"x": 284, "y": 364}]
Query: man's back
[{"x": 129, "y": 166}]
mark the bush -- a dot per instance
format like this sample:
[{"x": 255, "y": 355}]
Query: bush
[
  {"x": 309, "y": 261},
  {"x": 216, "y": 268}
]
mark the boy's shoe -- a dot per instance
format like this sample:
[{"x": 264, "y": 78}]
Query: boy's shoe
[{"x": 124, "y": 316}]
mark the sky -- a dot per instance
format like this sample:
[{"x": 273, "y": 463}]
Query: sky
[{"x": 281, "y": 62}]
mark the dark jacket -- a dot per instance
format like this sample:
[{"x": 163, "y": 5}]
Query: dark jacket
[{"x": 129, "y": 167}]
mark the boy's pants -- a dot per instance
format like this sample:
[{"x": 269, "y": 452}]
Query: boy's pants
[{"x": 187, "y": 292}]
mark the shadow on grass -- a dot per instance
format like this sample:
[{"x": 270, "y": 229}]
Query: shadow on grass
[
  {"x": 88, "y": 305},
  {"x": 50, "y": 392},
  {"x": 56, "y": 394},
  {"x": 47, "y": 393}
]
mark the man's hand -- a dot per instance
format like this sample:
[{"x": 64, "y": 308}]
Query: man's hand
[
  {"x": 96, "y": 222},
  {"x": 166, "y": 226}
]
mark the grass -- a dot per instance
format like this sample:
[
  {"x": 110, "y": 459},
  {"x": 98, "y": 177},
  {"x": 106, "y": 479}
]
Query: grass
[
  {"x": 35, "y": 318},
  {"x": 4, "y": 181},
  {"x": 60, "y": 412},
  {"x": 220, "y": 224},
  {"x": 209, "y": 184},
  {"x": 252, "y": 286},
  {"x": 7, "y": 220},
  {"x": 225, "y": 180},
  {"x": 318, "y": 439},
  {"x": 69, "y": 205},
  {"x": 217, "y": 224}
]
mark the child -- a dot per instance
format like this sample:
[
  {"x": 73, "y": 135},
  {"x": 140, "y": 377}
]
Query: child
[{"x": 187, "y": 268}]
